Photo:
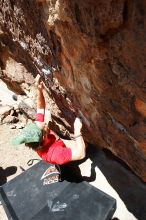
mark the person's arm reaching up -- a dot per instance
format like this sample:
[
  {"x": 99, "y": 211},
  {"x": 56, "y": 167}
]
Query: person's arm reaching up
[
  {"x": 40, "y": 103},
  {"x": 40, "y": 95},
  {"x": 80, "y": 150}
]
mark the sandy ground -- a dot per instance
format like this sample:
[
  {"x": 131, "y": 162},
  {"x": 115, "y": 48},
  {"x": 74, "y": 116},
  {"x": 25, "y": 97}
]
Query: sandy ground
[
  {"x": 13, "y": 159},
  {"x": 110, "y": 174}
]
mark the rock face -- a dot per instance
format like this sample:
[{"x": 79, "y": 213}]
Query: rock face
[{"x": 91, "y": 55}]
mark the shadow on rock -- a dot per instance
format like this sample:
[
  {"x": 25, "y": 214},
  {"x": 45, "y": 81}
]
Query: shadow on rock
[
  {"x": 4, "y": 173},
  {"x": 129, "y": 187}
]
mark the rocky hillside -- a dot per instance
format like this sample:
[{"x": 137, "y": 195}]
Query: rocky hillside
[{"x": 91, "y": 55}]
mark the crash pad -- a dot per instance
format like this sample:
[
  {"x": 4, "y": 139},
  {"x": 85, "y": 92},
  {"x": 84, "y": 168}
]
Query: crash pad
[{"x": 29, "y": 197}]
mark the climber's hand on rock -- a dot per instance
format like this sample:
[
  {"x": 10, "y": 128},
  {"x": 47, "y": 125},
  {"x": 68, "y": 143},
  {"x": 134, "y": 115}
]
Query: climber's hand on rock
[
  {"x": 39, "y": 82},
  {"x": 77, "y": 126},
  {"x": 40, "y": 86}
]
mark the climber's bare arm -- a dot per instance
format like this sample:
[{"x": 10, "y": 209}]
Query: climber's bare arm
[
  {"x": 40, "y": 100},
  {"x": 40, "y": 96},
  {"x": 77, "y": 145}
]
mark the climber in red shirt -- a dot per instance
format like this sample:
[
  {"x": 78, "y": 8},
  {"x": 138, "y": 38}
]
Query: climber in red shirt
[{"x": 45, "y": 142}]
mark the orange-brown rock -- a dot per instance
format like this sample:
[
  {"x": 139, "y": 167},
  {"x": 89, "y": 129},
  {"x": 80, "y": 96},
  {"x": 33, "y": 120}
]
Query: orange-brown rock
[{"x": 97, "y": 51}]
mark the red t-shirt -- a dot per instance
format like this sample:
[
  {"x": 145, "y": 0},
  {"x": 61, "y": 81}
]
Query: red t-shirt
[{"x": 54, "y": 150}]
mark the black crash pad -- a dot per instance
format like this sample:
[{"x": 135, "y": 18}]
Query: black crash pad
[{"x": 27, "y": 198}]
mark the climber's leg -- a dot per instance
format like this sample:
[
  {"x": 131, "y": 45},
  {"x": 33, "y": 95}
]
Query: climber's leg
[{"x": 78, "y": 148}]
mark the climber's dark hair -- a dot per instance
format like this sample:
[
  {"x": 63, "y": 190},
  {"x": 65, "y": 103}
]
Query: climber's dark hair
[{"x": 33, "y": 145}]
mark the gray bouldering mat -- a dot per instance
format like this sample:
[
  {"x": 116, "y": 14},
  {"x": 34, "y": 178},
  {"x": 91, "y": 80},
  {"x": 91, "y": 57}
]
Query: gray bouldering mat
[{"x": 29, "y": 197}]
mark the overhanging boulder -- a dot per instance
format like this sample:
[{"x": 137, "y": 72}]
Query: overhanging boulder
[{"x": 91, "y": 55}]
